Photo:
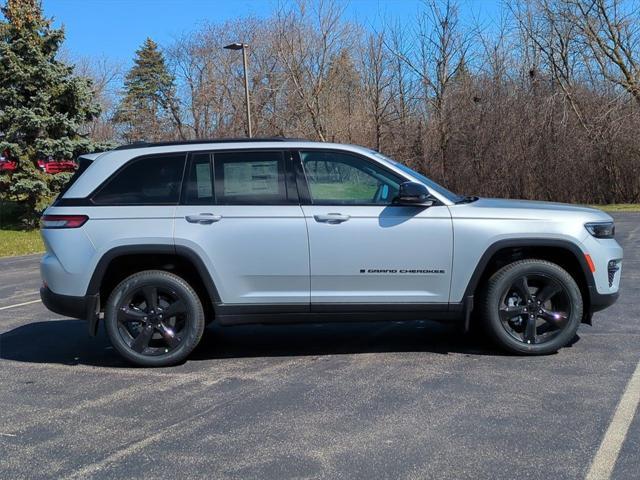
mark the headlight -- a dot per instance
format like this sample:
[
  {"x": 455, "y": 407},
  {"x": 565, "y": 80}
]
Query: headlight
[{"x": 601, "y": 229}]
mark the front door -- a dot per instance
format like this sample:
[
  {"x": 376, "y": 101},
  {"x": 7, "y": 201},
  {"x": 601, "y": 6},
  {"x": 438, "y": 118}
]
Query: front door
[
  {"x": 363, "y": 249},
  {"x": 239, "y": 211}
]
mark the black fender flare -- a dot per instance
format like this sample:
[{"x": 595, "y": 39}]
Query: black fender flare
[
  {"x": 575, "y": 250},
  {"x": 178, "y": 250}
]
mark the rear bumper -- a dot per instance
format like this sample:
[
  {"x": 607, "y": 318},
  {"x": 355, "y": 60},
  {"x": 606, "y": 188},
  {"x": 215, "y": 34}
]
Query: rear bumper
[{"x": 86, "y": 307}]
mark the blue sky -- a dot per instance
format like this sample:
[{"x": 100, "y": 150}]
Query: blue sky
[{"x": 116, "y": 28}]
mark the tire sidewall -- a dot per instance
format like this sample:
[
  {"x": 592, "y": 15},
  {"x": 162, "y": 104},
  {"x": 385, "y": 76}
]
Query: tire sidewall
[
  {"x": 193, "y": 329},
  {"x": 505, "y": 277}
]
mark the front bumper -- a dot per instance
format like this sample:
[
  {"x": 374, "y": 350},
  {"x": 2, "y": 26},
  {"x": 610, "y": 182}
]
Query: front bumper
[
  {"x": 86, "y": 307},
  {"x": 600, "y": 301}
]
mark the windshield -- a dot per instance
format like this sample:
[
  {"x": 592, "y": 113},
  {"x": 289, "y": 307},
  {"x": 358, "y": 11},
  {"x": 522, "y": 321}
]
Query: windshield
[{"x": 427, "y": 181}]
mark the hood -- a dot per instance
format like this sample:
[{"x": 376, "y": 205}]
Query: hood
[
  {"x": 527, "y": 209},
  {"x": 533, "y": 205}
]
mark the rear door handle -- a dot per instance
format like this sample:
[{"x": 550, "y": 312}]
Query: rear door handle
[
  {"x": 203, "y": 218},
  {"x": 332, "y": 218}
]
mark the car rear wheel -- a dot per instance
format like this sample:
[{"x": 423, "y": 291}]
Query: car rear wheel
[
  {"x": 532, "y": 307},
  {"x": 154, "y": 318}
]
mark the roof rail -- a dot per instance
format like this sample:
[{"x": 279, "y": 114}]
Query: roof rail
[{"x": 143, "y": 144}]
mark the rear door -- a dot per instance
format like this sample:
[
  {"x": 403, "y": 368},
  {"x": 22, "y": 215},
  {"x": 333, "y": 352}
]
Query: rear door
[
  {"x": 239, "y": 211},
  {"x": 364, "y": 249}
]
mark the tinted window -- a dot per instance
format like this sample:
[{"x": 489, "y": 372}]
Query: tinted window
[
  {"x": 336, "y": 178},
  {"x": 83, "y": 164},
  {"x": 153, "y": 180},
  {"x": 198, "y": 185},
  {"x": 249, "y": 178}
]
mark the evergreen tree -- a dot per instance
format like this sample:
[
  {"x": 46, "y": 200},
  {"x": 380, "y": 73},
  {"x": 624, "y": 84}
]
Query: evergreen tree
[
  {"x": 149, "y": 109},
  {"x": 43, "y": 105}
]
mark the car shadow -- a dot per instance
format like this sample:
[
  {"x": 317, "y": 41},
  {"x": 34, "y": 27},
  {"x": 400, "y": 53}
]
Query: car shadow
[
  {"x": 395, "y": 215},
  {"x": 337, "y": 338},
  {"x": 66, "y": 341}
]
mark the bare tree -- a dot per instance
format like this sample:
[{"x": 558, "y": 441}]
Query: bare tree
[
  {"x": 106, "y": 77},
  {"x": 377, "y": 78},
  {"x": 610, "y": 30},
  {"x": 308, "y": 39},
  {"x": 436, "y": 54}
]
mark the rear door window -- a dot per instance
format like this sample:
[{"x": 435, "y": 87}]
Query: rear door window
[
  {"x": 152, "y": 180},
  {"x": 250, "y": 178}
]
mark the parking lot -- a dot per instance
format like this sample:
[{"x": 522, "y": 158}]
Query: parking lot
[{"x": 386, "y": 400}]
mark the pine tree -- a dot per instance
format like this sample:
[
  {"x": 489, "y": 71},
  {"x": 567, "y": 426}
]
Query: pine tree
[
  {"x": 43, "y": 105},
  {"x": 149, "y": 109}
]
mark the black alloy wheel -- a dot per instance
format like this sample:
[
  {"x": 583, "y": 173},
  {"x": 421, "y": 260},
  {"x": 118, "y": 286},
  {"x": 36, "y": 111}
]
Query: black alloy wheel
[
  {"x": 535, "y": 308},
  {"x": 154, "y": 318},
  {"x": 151, "y": 320},
  {"x": 532, "y": 307}
]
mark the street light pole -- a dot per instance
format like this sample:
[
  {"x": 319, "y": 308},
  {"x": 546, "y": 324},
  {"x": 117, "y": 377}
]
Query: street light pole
[
  {"x": 246, "y": 88},
  {"x": 243, "y": 47}
]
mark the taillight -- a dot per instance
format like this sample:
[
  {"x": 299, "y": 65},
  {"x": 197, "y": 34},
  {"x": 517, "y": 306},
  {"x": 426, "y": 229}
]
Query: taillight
[{"x": 63, "y": 221}]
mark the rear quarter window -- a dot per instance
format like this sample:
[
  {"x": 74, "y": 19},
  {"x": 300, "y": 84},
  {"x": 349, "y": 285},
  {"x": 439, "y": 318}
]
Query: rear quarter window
[
  {"x": 151, "y": 180},
  {"x": 83, "y": 164}
]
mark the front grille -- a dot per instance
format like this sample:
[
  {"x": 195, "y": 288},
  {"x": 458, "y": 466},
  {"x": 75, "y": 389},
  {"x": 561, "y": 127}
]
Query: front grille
[{"x": 612, "y": 269}]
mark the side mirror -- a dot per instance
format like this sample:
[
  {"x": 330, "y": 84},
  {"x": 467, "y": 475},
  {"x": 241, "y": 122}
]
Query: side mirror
[{"x": 413, "y": 193}]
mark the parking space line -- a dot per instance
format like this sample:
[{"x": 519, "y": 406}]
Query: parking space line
[
  {"x": 19, "y": 295},
  {"x": 20, "y": 304},
  {"x": 605, "y": 459}
]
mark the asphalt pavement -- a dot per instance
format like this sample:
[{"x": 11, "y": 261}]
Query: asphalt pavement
[{"x": 385, "y": 400}]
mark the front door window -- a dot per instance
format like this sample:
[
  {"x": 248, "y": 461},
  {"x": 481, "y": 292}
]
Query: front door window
[{"x": 337, "y": 178}]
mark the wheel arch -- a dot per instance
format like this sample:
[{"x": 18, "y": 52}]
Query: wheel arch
[
  {"x": 565, "y": 253},
  {"x": 122, "y": 261}
]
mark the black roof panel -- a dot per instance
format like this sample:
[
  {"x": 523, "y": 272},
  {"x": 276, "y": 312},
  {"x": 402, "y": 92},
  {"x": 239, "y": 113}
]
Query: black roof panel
[{"x": 143, "y": 144}]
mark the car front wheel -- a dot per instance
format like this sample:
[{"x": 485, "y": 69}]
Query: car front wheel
[
  {"x": 532, "y": 307},
  {"x": 154, "y": 318}
]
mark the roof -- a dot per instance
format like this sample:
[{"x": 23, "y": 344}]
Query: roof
[{"x": 144, "y": 144}]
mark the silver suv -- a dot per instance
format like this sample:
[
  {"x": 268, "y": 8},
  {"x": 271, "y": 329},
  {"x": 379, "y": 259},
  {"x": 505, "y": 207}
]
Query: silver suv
[{"x": 157, "y": 240}]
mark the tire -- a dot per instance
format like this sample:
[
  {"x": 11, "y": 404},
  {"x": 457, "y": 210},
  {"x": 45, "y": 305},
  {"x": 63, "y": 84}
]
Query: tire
[
  {"x": 154, "y": 336},
  {"x": 520, "y": 318}
]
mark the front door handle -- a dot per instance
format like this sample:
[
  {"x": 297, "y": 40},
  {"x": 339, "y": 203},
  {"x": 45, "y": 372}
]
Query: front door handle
[
  {"x": 203, "y": 218},
  {"x": 332, "y": 218}
]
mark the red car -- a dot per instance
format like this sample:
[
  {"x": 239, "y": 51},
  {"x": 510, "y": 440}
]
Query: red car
[
  {"x": 50, "y": 165},
  {"x": 6, "y": 163}
]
